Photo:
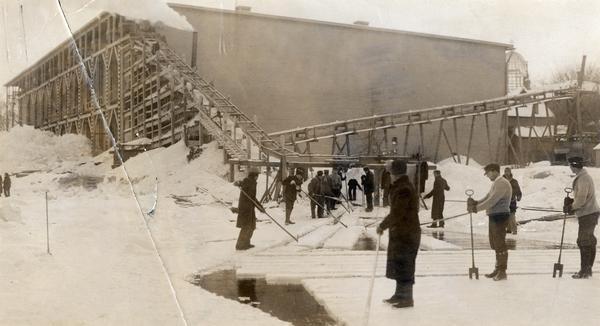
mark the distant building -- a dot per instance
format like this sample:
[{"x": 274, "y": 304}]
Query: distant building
[{"x": 517, "y": 73}]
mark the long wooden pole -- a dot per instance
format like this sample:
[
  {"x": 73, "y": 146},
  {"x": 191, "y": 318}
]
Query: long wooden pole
[{"x": 47, "y": 228}]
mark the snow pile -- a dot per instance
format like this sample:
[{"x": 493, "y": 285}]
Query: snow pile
[{"x": 25, "y": 148}]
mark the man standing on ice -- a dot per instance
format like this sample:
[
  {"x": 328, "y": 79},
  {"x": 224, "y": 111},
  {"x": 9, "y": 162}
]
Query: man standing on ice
[
  {"x": 516, "y": 196},
  {"x": 496, "y": 203},
  {"x": 291, "y": 188},
  {"x": 437, "y": 207},
  {"x": 314, "y": 192},
  {"x": 246, "y": 219},
  {"x": 6, "y": 185},
  {"x": 369, "y": 188},
  {"x": 404, "y": 234},
  {"x": 584, "y": 205}
]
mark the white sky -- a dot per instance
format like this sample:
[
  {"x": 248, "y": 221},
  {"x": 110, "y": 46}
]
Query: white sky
[{"x": 550, "y": 34}]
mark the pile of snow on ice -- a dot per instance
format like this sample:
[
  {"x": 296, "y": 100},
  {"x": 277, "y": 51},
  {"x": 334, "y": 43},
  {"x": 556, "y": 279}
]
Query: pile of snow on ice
[{"x": 25, "y": 148}]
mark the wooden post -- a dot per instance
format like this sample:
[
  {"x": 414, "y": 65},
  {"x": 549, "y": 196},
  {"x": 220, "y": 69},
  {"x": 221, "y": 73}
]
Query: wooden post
[
  {"x": 422, "y": 151},
  {"x": 456, "y": 139},
  {"x": 449, "y": 146},
  {"x": 501, "y": 139},
  {"x": 47, "y": 227},
  {"x": 406, "y": 140},
  {"x": 437, "y": 142},
  {"x": 470, "y": 139},
  {"x": 231, "y": 170},
  {"x": 489, "y": 139},
  {"x": 194, "y": 50},
  {"x": 519, "y": 134}
]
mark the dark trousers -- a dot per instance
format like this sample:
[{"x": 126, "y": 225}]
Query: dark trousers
[
  {"x": 386, "y": 197},
  {"x": 369, "y": 200},
  {"x": 352, "y": 193},
  {"x": 336, "y": 194},
  {"x": 243, "y": 241},
  {"x": 316, "y": 202},
  {"x": 497, "y": 236},
  {"x": 586, "y": 241},
  {"x": 289, "y": 206},
  {"x": 7, "y": 192}
]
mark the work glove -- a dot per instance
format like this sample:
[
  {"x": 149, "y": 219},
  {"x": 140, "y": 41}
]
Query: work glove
[
  {"x": 379, "y": 230},
  {"x": 237, "y": 183},
  {"x": 471, "y": 205},
  {"x": 568, "y": 205}
]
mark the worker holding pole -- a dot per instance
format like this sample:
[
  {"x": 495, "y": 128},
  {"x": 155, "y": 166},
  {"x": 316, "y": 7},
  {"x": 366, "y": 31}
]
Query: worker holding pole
[{"x": 404, "y": 234}]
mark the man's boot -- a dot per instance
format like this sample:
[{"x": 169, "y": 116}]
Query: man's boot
[
  {"x": 495, "y": 272},
  {"x": 397, "y": 297},
  {"x": 433, "y": 225},
  {"x": 592, "y": 258},
  {"x": 407, "y": 297},
  {"x": 502, "y": 258},
  {"x": 441, "y": 224},
  {"x": 585, "y": 270}
]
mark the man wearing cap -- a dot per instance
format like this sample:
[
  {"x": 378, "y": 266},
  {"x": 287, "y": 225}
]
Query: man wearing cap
[
  {"x": 496, "y": 203},
  {"x": 404, "y": 234},
  {"x": 584, "y": 206},
  {"x": 314, "y": 192},
  {"x": 516, "y": 196},
  {"x": 246, "y": 219}
]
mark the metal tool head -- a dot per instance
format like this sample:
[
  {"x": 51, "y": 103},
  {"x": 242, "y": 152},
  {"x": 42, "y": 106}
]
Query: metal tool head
[{"x": 469, "y": 192}]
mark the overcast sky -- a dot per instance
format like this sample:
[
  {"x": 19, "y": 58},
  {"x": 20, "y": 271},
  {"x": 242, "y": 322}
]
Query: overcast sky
[{"x": 550, "y": 34}]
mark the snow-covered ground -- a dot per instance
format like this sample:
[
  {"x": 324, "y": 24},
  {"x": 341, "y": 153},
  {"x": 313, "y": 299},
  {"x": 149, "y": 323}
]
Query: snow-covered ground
[{"x": 126, "y": 242}]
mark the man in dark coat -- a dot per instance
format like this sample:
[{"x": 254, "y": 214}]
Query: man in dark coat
[
  {"x": 516, "y": 196},
  {"x": 404, "y": 235},
  {"x": 335, "y": 179},
  {"x": 6, "y": 185},
  {"x": 421, "y": 175},
  {"x": 352, "y": 185},
  {"x": 437, "y": 207},
  {"x": 386, "y": 183},
  {"x": 314, "y": 191},
  {"x": 326, "y": 189},
  {"x": 246, "y": 219},
  {"x": 291, "y": 187},
  {"x": 369, "y": 188}
]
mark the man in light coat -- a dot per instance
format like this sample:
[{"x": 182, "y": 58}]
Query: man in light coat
[
  {"x": 584, "y": 205},
  {"x": 496, "y": 203}
]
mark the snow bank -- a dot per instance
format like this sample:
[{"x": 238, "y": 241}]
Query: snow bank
[{"x": 26, "y": 148}]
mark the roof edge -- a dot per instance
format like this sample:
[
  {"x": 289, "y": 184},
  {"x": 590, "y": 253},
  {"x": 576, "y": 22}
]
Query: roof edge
[{"x": 506, "y": 46}]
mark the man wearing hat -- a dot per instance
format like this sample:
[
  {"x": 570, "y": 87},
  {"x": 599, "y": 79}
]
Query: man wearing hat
[
  {"x": 584, "y": 206},
  {"x": 437, "y": 207},
  {"x": 404, "y": 234},
  {"x": 246, "y": 219},
  {"x": 496, "y": 203}
]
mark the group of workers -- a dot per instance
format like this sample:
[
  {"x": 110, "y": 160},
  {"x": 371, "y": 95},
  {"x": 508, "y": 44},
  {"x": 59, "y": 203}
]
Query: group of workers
[{"x": 402, "y": 221}]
